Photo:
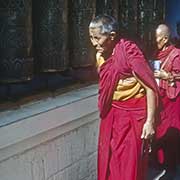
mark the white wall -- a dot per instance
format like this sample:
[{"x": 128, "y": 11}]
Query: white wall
[{"x": 59, "y": 143}]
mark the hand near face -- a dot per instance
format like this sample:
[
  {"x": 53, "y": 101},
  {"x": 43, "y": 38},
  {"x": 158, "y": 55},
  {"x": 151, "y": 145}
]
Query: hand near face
[{"x": 98, "y": 55}]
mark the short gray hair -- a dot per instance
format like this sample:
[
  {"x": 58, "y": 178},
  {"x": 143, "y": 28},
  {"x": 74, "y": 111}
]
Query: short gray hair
[
  {"x": 164, "y": 29},
  {"x": 106, "y": 23}
]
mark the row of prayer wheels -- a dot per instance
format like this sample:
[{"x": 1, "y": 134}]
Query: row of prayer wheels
[{"x": 51, "y": 35}]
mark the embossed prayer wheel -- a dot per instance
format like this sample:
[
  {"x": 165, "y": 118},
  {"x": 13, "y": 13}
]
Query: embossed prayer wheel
[
  {"x": 150, "y": 14},
  {"x": 81, "y": 50},
  {"x": 128, "y": 18},
  {"x": 50, "y": 35},
  {"x": 16, "y": 62},
  {"x": 110, "y": 7}
]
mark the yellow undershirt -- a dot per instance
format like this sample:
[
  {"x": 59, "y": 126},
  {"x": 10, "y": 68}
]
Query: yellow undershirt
[{"x": 126, "y": 88}]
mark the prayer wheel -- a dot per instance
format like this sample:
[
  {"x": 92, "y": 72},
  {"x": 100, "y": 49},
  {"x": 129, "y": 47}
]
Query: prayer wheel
[
  {"x": 50, "y": 35},
  {"x": 128, "y": 18},
  {"x": 16, "y": 62},
  {"x": 150, "y": 14},
  {"x": 81, "y": 50},
  {"x": 110, "y": 7}
]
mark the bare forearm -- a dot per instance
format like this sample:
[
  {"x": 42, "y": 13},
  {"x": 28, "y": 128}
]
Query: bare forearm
[
  {"x": 169, "y": 76},
  {"x": 151, "y": 101},
  {"x": 148, "y": 128},
  {"x": 151, "y": 104}
]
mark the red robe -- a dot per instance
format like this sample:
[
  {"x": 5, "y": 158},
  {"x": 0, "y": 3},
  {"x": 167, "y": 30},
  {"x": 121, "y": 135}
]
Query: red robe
[
  {"x": 167, "y": 145},
  {"x": 119, "y": 149}
]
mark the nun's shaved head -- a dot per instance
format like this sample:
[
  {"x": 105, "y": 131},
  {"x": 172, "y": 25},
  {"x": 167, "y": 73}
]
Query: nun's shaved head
[
  {"x": 162, "y": 36},
  {"x": 163, "y": 30}
]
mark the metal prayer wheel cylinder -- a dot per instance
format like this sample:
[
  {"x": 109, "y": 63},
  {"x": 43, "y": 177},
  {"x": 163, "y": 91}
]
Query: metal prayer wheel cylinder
[
  {"x": 128, "y": 18},
  {"x": 50, "y": 35},
  {"x": 16, "y": 62},
  {"x": 110, "y": 7},
  {"x": 151, "y": 13},
  {"x": 81, "y": 50}
]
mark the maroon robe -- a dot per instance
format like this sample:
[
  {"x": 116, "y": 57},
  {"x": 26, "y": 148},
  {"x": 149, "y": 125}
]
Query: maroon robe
[
  {"x": 122, "y": 121},
  {"x": 167, "y": 146},
  {"x": 170, "y": 115}
]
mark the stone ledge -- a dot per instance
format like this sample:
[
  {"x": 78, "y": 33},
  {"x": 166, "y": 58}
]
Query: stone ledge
[
  {"x": 39, "y": 127},
  {"x": 37, "y": 107}
]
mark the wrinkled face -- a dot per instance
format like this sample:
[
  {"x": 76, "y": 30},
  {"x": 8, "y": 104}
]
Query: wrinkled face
[
  {"x": 161, "y": 40},
  {"x": 102, "y": 42}
]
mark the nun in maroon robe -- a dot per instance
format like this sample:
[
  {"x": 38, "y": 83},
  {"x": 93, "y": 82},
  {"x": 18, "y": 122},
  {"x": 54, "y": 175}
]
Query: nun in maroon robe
[
  {"x": 124, "y": 124},
  {"x": 120, "y": 143},
  {"x": 167, "y": 145}
]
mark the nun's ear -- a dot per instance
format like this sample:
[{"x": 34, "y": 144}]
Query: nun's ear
[{"x": 113, "y": 35}]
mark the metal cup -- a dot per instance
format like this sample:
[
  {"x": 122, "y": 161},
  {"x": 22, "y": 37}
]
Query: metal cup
[{"x": 156, "y": 64}]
